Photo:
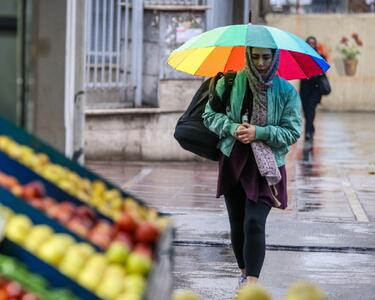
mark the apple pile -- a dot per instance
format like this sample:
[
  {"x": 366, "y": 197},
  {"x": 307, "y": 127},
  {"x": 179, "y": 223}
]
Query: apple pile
[
  {"x": 82, "y": 220},
  {"x": 108, "y": 201},
  {"x": 117, "y": 274},
  {"x": 11, "y": 290},
  {"x": 17, "y": 282}
]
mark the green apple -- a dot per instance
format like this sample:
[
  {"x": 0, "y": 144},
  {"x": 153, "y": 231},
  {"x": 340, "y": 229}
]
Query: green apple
[
  {"x": 129, "y": 296},
  {"x": 135, "y": 283},
  {"x": 253, "y": 291},
  {"x": 62, "y": 240},
  {"x": 74, "y": 260},
  {"x": 114, "y": 271},
  {"x": 97, "y": 262},
  {"x": 84, "y": 248},
  {"x": 98, "y": 188},
  {"x": 305, "y": 290},
  {"x": 6, "y": 212},
  {"x": 183, "y": 294},
  {"x": 117, "y": 253},
  {"x": 37, "y": 236},
  {"x": 110, "y": 288},
  {"x": 71, "y": 268},
  {"x": 18, "y": 228},
  {"x": 51, "y": 253},
  {"x": 138, "y": 264},
  {"x": 90, "y": 279}
]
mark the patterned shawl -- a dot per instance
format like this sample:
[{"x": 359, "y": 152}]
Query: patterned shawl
[{"x": 259, "y": 84}]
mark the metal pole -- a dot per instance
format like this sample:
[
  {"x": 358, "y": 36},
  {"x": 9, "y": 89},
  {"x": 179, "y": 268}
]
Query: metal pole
[
  {"x": 89, "y": 32},
  {"x": 104, "y": 44},
  {"x": 126, "y": 45},
  {"x": 111, "y": 27},
  {"x": 118, "y": 40},
  {"x": 96, "y": 43},
  {"x": 247, "y": 11},
  {"x": 137, "y": 50}
]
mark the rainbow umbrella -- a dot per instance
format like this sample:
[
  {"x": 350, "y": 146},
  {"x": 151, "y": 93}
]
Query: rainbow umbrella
[{"x": 223, "y": 49}]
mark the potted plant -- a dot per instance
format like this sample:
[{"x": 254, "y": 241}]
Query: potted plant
[{"x": 350, "y": 51}]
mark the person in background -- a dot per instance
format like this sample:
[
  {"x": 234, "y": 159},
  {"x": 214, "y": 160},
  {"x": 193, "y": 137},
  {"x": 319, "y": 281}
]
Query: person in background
[{"x": 310, "y": 97}]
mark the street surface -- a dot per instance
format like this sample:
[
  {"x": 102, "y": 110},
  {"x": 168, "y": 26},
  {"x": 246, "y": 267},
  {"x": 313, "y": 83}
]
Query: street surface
[{"x": 325, "y": 236}]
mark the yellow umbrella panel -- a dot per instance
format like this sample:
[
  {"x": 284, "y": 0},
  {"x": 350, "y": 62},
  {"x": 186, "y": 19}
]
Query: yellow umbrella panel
[{"x": 208, "y": 61}]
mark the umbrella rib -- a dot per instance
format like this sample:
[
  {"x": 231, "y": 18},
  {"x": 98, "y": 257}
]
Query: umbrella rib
[
  {"x": 225, "y": 66},
  {"x": 303, "y": 71}
]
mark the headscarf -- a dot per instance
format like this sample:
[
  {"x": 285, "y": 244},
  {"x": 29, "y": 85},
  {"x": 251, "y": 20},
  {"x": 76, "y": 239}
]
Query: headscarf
[{"x": 259, "y": 84}]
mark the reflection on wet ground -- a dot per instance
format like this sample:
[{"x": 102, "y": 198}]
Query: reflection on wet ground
[{"x": 342, "y": 275}]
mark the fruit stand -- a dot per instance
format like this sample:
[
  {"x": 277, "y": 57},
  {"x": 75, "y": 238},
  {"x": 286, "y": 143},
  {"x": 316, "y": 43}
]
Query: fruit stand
[{"x": 77, "y": 230}]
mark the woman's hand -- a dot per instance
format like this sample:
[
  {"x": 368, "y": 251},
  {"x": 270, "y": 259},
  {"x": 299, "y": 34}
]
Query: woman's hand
[{"x": 245, "y": 133}]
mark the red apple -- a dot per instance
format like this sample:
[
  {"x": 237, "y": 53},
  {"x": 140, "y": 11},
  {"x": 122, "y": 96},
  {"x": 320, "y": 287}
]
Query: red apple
[
  {"x": 66, "y": 205},
  {"x": 34, "y": 189},
  {"x": 3, "y": 295},
  {"x": 143, "y": 249},
  {"x": 127, "y": 223},
  {"x": 76, "y": 225},
  {"x": 53, "y": 211},
  {"x": 8, "y": 181},
  {"x": 147, "y": 232},
  {"x": 14, "y": 289},
  {"x": 3, "y": 281},
  {"x": 85, "y": 211},
  {"x": 125, "y": 238},
  {"x": 29, "y": 296},
  {"x": 100, "y": 239},
  {"x": 64, "y": 217},
  {"x": 105, "y": 227},
  {"x": 37, "y": 203},
  {"x": 48, "y": 202}
]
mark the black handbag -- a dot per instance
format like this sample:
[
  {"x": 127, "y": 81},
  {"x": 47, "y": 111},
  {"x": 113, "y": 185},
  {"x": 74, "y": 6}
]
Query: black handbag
[
  {"x": 324, "y": 85},
  {"x": 190, "y": 131}
]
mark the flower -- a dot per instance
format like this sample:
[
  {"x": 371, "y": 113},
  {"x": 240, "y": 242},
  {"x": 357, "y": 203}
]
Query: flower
[
  {"x": 350, "y": 50},
  {"x": 344, "y": 40}
]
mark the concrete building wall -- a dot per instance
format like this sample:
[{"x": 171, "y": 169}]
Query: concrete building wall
[
  {"x": 348, "y": 93},
  {"x": 133, "y": 134},
  {"x": 49, "y": 88}
]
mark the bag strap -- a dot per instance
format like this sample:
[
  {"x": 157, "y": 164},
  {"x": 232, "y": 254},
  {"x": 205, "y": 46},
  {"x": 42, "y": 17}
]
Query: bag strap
[
  {"x": 221, "y": 105},
  {"x": 229, "y": 80}
]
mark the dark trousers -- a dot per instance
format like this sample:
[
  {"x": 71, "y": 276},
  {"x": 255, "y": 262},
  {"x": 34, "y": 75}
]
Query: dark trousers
[
  {"x": 247, "y": 223},
  {"x": 309, "y": 105}
]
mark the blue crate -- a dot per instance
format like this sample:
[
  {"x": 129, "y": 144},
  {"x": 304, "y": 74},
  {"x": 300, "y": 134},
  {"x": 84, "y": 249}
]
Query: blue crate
[
  {"x": 24, "y": 175},
  {"x": 25, "y": 138}
]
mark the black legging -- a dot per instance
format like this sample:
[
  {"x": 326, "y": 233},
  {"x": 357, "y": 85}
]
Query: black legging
[
  {"x": 247, "y": 223},
  {"x": 309, "y": 108},
  {"x": 310, "y": 97}
]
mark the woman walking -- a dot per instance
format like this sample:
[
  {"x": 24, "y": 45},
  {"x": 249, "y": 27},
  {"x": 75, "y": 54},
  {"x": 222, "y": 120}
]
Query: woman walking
[
  {"x": 310, "y": 97},
  {"x": 262, "y": 121}
]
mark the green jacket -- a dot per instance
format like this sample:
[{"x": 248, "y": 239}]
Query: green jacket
[{"x": 283, "y": 117}]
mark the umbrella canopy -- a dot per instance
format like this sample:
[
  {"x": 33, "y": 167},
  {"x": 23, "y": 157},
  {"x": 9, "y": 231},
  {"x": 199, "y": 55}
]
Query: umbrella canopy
[{"x": 223, "y": 49}]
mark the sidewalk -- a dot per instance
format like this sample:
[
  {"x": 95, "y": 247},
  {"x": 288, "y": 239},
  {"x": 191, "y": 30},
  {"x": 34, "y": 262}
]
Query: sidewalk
[{"x": 325, "y": 236}]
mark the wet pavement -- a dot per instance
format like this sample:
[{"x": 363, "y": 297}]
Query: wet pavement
[{"x": 326, "y": 235}]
